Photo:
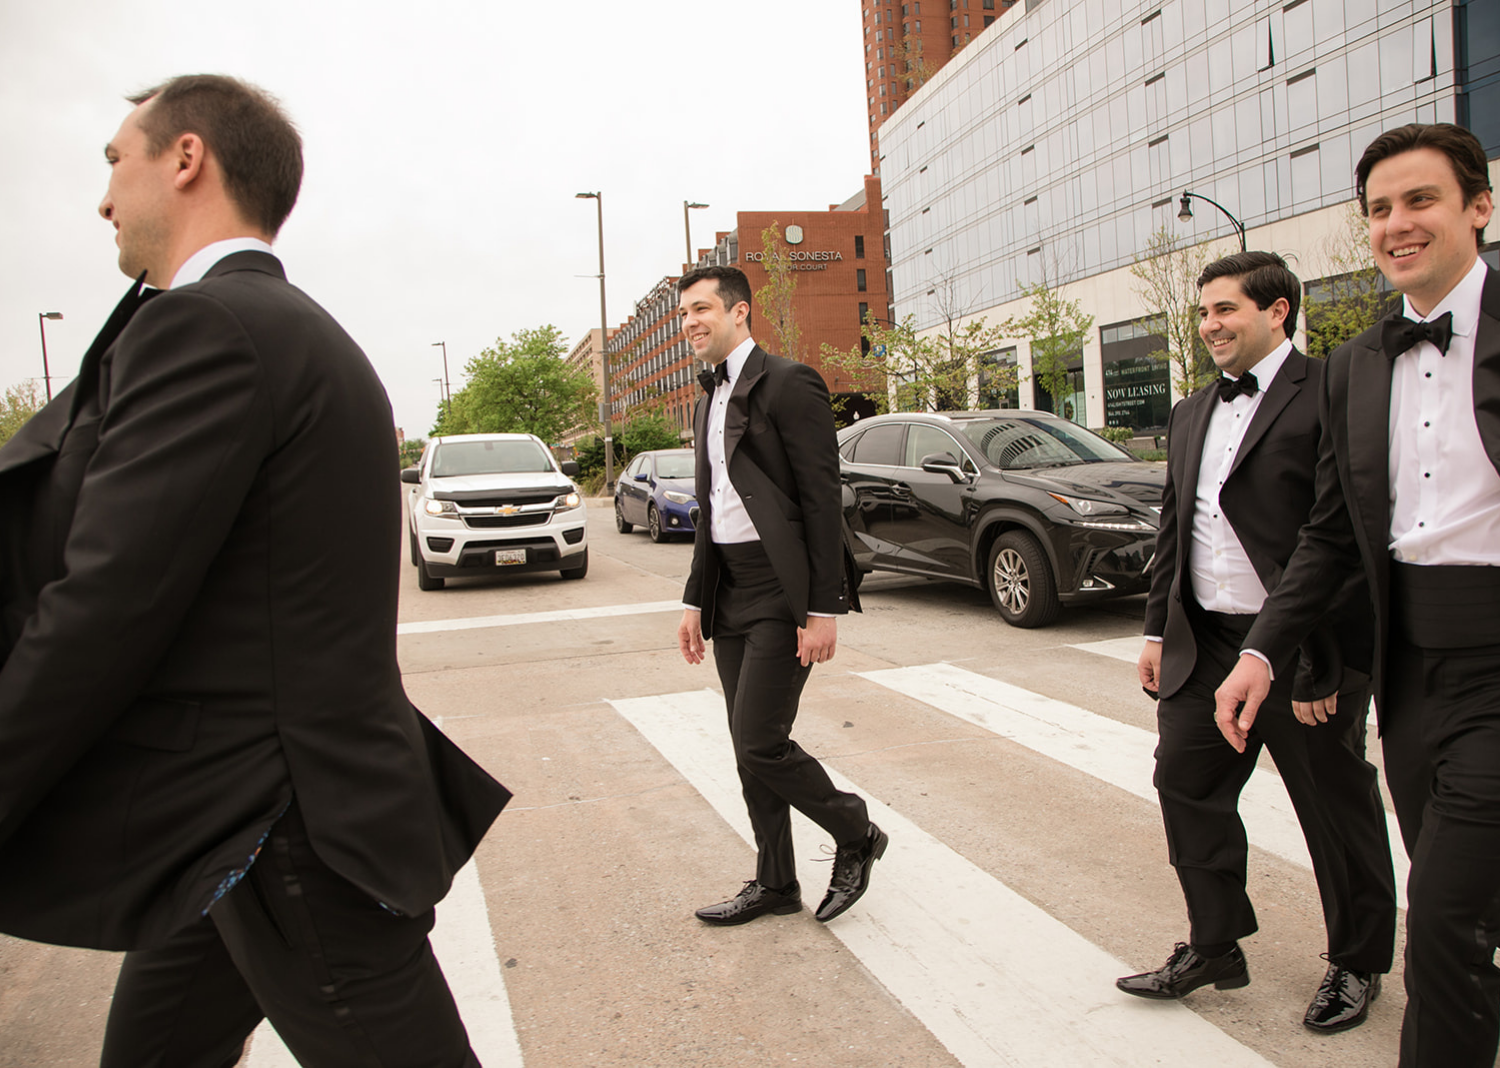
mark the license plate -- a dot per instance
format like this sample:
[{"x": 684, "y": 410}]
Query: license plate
[{"x": 510, "y": 556}]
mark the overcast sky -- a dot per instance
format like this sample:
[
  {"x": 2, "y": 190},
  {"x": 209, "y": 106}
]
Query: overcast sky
[{"x": 444, "y": 143}]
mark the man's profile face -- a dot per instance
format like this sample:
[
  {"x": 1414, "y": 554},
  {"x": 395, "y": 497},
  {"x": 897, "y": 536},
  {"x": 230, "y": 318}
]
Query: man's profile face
[
  {"x": 712, "y": 329},
  {"x": 1238, "y": 334},
  {"x": 137, "y": 201},
  {"x": 1421, "y": 232}
]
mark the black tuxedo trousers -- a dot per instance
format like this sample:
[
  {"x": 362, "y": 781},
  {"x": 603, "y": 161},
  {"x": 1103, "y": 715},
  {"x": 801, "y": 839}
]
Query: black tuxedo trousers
[
  {"x": 755, "y": 651},
  {"x": 1199, "y": 778}
]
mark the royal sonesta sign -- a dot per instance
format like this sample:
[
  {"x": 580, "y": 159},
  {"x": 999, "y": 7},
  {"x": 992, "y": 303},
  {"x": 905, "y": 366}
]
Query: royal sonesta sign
[{"x": 797, "y": 255}]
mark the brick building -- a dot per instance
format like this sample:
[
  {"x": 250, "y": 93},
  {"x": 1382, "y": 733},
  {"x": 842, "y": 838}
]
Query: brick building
[{"x": 840, "y": 261}]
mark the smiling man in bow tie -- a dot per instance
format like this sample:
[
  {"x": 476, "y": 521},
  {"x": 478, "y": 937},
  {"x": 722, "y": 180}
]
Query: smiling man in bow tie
[
  {"x": 767, "y": 586},
  {"x": 1240, "y": 483},
  {"x": 1409, "y": 491}
]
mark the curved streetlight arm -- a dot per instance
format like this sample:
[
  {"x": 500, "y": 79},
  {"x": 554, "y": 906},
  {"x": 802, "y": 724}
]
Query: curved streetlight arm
[{"x": 1187, "y": 213}]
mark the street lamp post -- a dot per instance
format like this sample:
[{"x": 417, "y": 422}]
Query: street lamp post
[
  {"x": 687, "y": 231},
  {"x": 1187, "y": 213},
  {"x": 41, "y": 322},
  {"x": 609, "y": 439},
  {"x": 447, "y": 382}
]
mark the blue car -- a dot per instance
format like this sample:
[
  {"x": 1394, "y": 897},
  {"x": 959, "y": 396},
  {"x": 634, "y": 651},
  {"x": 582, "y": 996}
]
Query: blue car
[{"x": 656, "y": 491}]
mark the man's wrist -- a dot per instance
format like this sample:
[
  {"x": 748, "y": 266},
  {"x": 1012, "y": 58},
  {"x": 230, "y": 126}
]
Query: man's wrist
[
  {"x": 1263, "y": 658},
  {"x": 692, "y": 607},
  {"x": 1154, "y": 638}
]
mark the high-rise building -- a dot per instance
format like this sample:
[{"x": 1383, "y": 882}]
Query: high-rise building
[{"x": 904, "y": 47}]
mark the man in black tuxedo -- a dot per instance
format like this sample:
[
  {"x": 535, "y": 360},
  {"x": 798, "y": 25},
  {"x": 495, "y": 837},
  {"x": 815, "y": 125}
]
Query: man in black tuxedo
[
  {"x": 1239, "y": 487},
  {"x": 1408, "y": 485},
  {"x": 206, "y": 755},
  {"x": 767, "y": 585}
]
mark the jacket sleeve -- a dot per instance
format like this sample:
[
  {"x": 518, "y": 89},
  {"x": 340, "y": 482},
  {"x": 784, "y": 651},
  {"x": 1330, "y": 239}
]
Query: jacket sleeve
[
  {"x": 1164, "y": 562},
  {"x": 805, "y": 420},
  {"x": 185, "y": 427}
]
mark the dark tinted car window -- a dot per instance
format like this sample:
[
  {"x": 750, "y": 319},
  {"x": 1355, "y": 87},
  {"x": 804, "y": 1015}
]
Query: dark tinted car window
[
  {"x": 1019, "y": 443},
  {"x": 923, "y": 440},
  {"x": 679, "y": 466},
  {"x": 880, "y": 446}
]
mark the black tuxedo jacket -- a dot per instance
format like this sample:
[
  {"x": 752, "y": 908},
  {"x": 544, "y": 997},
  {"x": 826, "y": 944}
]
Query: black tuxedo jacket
[
  {"x": 783, "y": 460},
  {"x": 198, "y": 576},
  {"x": 1266, "y": 499},
  {"x": 1351, "y": 522}
]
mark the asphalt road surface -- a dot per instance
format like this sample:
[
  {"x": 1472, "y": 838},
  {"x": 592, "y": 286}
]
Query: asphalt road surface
[{"x": 1012, "y": 770}]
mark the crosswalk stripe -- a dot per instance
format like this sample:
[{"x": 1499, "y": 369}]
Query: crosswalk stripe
[
  {"x": 992, "y": 976},
  {"x": 603, "y": 611},
  {"x": 1114, "y": 752},
  {"x": 1126, "y": 649}
]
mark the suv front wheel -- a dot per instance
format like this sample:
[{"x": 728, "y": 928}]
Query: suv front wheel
[{"x": 1020, "y": 582}]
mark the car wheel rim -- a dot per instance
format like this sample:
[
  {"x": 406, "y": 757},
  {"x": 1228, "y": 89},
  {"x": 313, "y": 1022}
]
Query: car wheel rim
[
  {"x": 1012, "y": 581},
  {"x": 655, "y": 521}
]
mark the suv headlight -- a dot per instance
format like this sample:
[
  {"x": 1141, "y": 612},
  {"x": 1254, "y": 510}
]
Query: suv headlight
[
  {"x": 1102, "y": 515},
  {"x": 678, "y": 498},
  {"x": 567, "y": 502},
  {"x": 434, "y": 507}
]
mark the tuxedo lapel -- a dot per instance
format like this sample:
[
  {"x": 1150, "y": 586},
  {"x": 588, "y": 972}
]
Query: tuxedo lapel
[
  {"x": 1368, "y": 415},
  {"x": 737, "y": 414},
  {"x": 1279, "y": 393},
  {"x": 1487, "y": 368},
  {"x": 44, "y": 432},
  {"x": 1192, "y": 459}
]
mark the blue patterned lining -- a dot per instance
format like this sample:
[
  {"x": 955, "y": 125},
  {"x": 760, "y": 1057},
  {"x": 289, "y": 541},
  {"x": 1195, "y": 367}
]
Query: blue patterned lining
[{"x": 231, "y": 880}]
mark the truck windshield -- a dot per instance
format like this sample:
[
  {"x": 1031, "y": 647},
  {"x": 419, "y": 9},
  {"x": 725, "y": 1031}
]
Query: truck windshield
[{"x": 489, "y": 458}]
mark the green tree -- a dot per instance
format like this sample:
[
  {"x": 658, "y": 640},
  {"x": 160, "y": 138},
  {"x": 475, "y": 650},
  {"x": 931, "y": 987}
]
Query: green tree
[
  {"x": 410, "y": 451},
  {"x": 1353, "y": 297},
  {"x": 521, "y": 386},
  {"x": 1167, "y": 273},
  {"x": 776, "y": 296},
  {"x": 18, "y": 405},
  {"x": 959, "y": 344},
  {"x": 647, "y": 431},
  {"x": 1056, "y": 328},
  {"x": 892, "y": 363}
]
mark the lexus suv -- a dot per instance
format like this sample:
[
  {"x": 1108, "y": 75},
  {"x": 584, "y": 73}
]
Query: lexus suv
[
  {"x": 486, "y": 503},
  {"x": 1036, "y": 510}
]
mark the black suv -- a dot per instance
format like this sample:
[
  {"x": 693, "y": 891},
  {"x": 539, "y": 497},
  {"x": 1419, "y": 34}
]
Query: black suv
[{"x": 1038, "y": 510}]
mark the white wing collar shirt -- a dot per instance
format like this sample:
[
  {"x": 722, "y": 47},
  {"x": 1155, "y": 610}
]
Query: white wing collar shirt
[
  {"x": 1224, "y": 580},
  {"x": 731, "y": 523},
  {"x": 1445, "y": 492}
]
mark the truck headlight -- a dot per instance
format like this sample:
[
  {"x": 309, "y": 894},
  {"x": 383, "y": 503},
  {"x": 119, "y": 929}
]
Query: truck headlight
[{"x": 434, "y": 507}]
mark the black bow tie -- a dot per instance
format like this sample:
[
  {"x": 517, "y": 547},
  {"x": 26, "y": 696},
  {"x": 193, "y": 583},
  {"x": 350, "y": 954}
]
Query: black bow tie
[
  {"x": 717, "y": 377},
  {"x": 1230, "y": 388},
  {"x": 1400, "y": 334}
]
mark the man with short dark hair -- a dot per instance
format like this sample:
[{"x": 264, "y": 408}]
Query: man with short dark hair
[
  {"x": 767, "y": 585},
  {"x": 206, "y": 756},
  {"x": 1239, "y": 486},
  {"x": 1408, "y": 485}
]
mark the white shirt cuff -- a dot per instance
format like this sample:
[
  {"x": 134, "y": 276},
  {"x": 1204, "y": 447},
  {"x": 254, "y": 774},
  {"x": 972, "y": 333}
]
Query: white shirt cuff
[
  {"x": 1154, "y": 638},
  {"x": 1263, "y": 659}
]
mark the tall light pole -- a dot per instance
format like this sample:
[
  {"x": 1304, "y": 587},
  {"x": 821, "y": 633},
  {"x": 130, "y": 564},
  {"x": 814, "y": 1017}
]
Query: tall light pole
[
  {"x": 604, "y": 409},
  {"x": 447, "y": 384},
  {"x": 1187, "y": 213},
  {"x": 41, "y": 323},
  {"x": 687, "y": 231}
]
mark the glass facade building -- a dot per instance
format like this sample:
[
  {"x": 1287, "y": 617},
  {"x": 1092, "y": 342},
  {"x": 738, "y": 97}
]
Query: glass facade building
[{"x": 1057, "y": 143}]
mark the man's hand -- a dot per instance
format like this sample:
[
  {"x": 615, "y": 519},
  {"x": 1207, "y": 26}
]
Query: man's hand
[
  {"x": 1247, "y": 685},
  {"x": 1314, "y": 712},
  {"x": 817, "y": 641},
  {"x": 1148, "y": 666},
  {"x": 690, "y": 636}
]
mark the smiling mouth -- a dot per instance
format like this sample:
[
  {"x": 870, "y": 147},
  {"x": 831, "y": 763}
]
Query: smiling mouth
[
  {"x": 1219, "y": 342},
  {"x": 1405, "y": 253}
]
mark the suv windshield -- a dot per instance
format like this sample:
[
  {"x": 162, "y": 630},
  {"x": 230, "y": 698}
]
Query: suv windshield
[
  {"x": 674, "y": 466},
  {"x": 1020, "y": 442},
  {"x": 489, "y": 458}
]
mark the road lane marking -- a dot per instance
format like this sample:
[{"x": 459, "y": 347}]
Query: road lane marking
[
  {"x": 1126, "y": 649},
  {"x": 995, "y": 978},
  {"x": 434, "y": 626},
  {"x": 1114, "y": 752}
]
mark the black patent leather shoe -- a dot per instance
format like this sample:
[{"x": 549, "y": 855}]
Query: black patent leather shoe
[
  {"x": 1185, "y": 971},
  {"x": 751, "y": 902},
  {"x": 1343, "y": 1000},
  {"x": 851, "y": 873}
]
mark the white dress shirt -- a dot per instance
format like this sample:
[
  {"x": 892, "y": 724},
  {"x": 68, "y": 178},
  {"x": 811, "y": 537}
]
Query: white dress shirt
[
  {"x": 1445, "y": 492},
  {"x": 731, "y": 523},
  {"x": 1224, "y": 579},
  {"x": 197, "y": 265}
]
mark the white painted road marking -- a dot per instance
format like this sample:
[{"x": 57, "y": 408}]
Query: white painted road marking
[
  {"x": 1117, "y": 753},
  {"x": 997, "y": 980},
  {"x": 1126, "y": 649},
  {"x": 434, "y": 626}
]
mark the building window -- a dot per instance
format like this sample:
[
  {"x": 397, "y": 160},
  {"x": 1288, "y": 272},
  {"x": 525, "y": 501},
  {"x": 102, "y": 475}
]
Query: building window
[
  {"x": 988, "y": 19},
  {"x": 859, "y": 246},
  {"x": 859, "y": 279},
  {"x": 999, "y": 385},
  {"x": 1137, "y": 375},
  {"x": 864, "y": 310}
]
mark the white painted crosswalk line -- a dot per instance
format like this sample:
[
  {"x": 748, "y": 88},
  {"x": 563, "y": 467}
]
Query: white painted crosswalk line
[
  {"x": 1126, "y": 649},
  {"x": 997, "y": 980},
  {"x": 1114, "y": 752},
  {"x": 517, "y": 619}
]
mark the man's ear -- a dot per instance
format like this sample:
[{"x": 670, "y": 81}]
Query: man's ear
[
  {"x": 1286, "y": 307},
  {"x": 188, "y": 153}
]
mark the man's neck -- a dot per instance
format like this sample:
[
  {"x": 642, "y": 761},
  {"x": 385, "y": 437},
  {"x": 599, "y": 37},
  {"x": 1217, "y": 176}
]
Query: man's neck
[{"x": 1425, "y": 304}]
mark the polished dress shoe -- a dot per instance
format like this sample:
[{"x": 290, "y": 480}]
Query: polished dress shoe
[
  {"x": 751, "y": 902},
  {"x": 1342, "y": 1001},
  {"x": 851, "y": 873},
  {"x": 1185, "y": 971}
]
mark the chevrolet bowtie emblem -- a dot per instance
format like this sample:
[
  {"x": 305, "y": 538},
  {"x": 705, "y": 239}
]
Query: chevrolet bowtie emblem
[{"x": 507, "y": 509}]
